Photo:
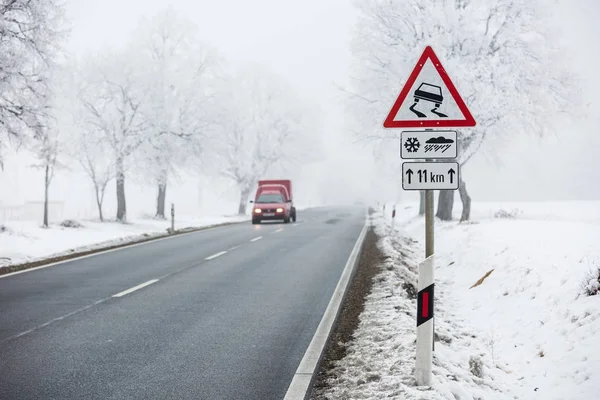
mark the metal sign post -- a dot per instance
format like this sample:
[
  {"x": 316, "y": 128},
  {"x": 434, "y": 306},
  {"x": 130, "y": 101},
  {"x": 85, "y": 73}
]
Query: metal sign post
[
  {"x": 429, "y": 100},
  {"x": 429, "y": 223},
  {"x": 429, "y": 249}
]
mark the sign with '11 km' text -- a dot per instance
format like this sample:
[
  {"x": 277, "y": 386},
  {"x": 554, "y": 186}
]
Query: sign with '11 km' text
[{"x": 430, "y": 175}]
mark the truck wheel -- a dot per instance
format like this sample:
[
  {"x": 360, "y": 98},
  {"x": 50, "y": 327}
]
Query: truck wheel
[
  {"x": 255, "y": 221},
  {"x": 294, "y": 216},
  {"x": 286, "y": 220}
]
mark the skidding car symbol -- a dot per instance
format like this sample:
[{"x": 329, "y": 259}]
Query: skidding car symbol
[{"x": 428, "y": 92}]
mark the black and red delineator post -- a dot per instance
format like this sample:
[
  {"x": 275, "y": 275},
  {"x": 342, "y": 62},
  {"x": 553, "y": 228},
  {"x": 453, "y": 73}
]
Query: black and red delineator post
[
  {"x": 425, "y": 305},
  {"x": 425, "y": 321}
]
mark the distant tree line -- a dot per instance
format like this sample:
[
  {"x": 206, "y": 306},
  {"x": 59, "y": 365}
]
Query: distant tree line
[{"x": 165, "y": 102}]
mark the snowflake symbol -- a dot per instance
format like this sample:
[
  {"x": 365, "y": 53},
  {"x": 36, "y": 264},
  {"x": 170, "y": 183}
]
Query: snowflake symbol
[{"x": 412, "y": 145}]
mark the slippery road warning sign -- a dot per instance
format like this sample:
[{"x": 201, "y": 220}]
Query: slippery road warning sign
[{"x": 429, "y": 99}]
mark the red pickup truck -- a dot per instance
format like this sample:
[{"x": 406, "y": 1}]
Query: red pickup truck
[{"x": 273, "y": 201}]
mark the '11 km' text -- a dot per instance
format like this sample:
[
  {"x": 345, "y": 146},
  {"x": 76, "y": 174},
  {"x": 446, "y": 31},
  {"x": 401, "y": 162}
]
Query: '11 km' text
[{"x": 425, "y": 176}]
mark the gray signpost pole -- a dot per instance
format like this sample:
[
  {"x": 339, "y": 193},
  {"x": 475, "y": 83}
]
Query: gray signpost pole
[
  {"x": 429, "y": 223},
  {"x": 429, "y": 235}
]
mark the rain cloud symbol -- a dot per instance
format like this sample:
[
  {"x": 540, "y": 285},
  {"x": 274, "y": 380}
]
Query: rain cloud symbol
[{"x": 438, "y": 144}]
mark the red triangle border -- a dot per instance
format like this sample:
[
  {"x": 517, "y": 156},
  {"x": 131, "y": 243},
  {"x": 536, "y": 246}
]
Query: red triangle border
[{"x": 469, "y": 121}]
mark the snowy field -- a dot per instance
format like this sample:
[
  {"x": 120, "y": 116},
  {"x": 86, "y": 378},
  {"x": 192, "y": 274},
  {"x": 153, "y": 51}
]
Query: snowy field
[
  {"x": 527, "y": 331},
  {"x": 26, "y": 241}
]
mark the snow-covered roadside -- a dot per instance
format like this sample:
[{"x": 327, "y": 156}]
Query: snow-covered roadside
[
  {"x": 26, "y": 241},
  {"x": 527, "y": 324}
]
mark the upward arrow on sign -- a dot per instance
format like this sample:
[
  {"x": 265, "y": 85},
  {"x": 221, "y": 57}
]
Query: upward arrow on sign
[
  {"x": 451, "y": 172},
  {"x": 409, "y": 173},
  {"x": 429, "y": 99}
]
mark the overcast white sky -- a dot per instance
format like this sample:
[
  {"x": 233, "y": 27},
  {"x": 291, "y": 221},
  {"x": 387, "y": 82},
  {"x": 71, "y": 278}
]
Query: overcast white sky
[{"x": 308, "y": 42}]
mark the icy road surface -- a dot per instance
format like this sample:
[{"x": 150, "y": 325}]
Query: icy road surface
[{"x": 220, "y": 314}]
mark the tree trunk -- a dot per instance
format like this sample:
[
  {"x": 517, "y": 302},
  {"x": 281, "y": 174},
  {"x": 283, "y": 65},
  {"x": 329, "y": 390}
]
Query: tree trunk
[
  {"x": 445, "y": 205},
  {"x": 421, "y": 202},
  {"x": 121, "y": 202},
  {"x": 99, "y": 202},
  {"x": 160, "y": 200},
  {"x": 466, "y": 201},
  {"x": 46, "y": 186},
  {"x": 245, "y": 192}
]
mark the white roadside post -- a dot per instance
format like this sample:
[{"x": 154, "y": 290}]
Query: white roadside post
[
  {"x": 425, "y": 287},
  {"x": 172, "y": 218},
  {"x": 428, "y": 101}
]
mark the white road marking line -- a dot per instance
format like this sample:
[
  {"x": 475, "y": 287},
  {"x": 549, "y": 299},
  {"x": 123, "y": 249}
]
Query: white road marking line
[
  {"x": 29, "y": 331},
  {"x": 234, "y": 247},
  {"x": 54, "y": 320},
  {"x": 133, "y": 289},
  {"x": 219, "y": 254},
  {"x": 256, "y": 238},
  {"x": 278, "y": 230}
]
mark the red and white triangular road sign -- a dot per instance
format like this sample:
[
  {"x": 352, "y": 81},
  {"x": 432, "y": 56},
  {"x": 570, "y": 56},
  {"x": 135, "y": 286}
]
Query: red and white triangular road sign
[{"x": 429, "y": 99}]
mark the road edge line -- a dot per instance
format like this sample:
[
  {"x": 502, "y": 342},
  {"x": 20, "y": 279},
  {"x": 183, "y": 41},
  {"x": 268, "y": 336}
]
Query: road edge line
[
  {"x": 109, "y": 248},
  {"x": 302, "y": 383}
]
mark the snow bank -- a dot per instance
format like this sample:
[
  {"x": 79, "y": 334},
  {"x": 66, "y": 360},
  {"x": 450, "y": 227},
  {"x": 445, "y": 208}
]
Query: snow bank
[
  {"x": 569, "y": 211},
  {"x": 26, "y": 241},
  {"x": 528, "y": 330}
]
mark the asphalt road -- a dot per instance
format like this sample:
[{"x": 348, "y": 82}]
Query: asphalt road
[{"x": 208, "y": 324}]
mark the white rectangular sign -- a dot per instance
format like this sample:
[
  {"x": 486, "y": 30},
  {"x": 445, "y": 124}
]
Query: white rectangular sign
[
  {"x": 430, "y": 176},
  {"x": 428, "y": 144}
]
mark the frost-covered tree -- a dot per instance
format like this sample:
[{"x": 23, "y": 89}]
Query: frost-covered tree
[
  {"x": 84, "y": 142},
  {"x": 265, "y": 126},
  {"x": 501, "y": 56},
  {"x": 46, "y": 148},
  {"x": 111, "y": 95},
  {"x": 178, "y": 71},
  {"x": 30, "y": 34},
  {"x": 95, "y": 158},
  {"x": 46, "y": 143}
]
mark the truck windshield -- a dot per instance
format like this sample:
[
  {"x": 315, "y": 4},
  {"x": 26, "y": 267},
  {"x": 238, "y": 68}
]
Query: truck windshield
[{"x": 270, "y": 198}]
